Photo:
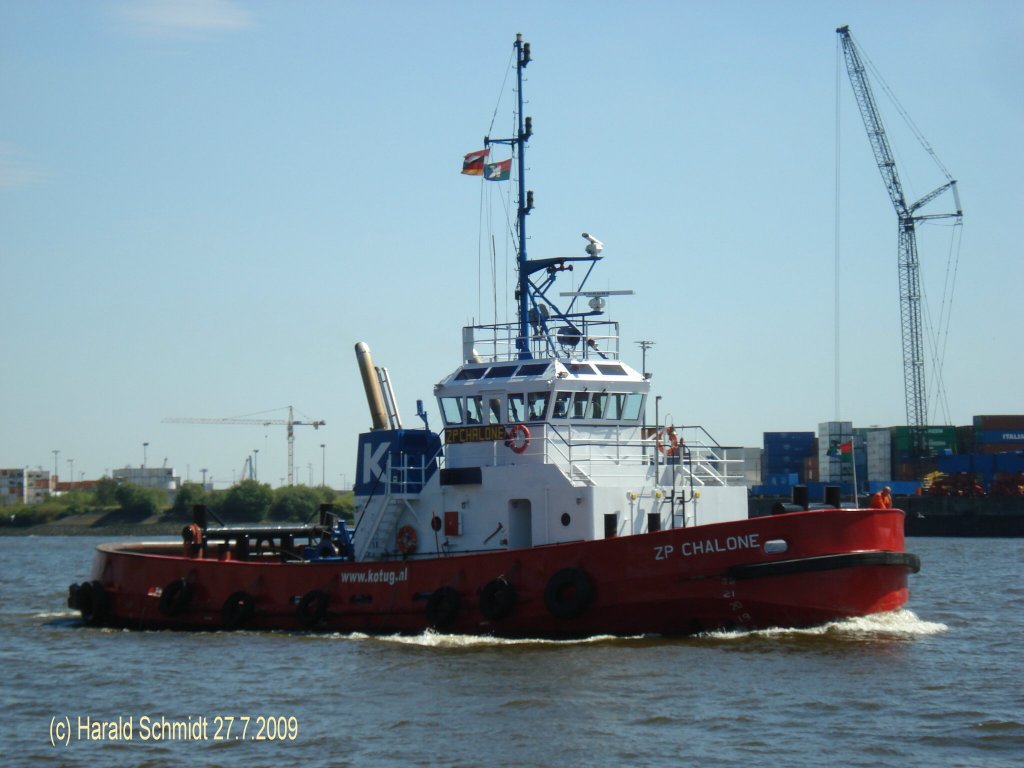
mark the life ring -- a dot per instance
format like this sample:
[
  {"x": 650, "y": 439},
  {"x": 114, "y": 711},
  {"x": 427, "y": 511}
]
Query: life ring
[
  {"x": 91, "y": 599},
  {"x": 518, "y": 438},
  {"x": 312, "y": 608},
  {"x": 406, "y": 539},
  {"x": 568, "y": 593},
  {"x": 668, "y": 441},
  {"x": 237, "y": 610},
  {"x": 175, "y": 597},
  {"x": 192, "y": 539},
  {"x": 497, "y": 599},
  {"x": 442, "y": 607}
]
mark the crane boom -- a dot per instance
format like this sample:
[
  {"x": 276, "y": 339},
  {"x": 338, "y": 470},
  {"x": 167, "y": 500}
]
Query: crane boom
[
  {"x": 909, "y": 272},
  {"x": 290, "y": 422}
]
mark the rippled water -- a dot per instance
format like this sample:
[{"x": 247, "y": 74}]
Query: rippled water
[{"x": 938, "y": 684}]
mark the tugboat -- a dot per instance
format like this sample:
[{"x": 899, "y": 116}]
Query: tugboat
[{"x": 546, "y": 507}]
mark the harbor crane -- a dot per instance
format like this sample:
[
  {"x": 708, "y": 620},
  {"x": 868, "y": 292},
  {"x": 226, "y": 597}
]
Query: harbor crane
[
  {"x": 908, "y": 216},
  {"x": 290, "y": 422}
]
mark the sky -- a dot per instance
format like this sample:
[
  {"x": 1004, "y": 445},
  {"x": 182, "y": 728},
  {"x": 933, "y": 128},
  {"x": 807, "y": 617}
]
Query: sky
[{"x": 205, "y": 205}]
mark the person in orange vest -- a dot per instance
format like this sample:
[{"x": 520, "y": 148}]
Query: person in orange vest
[{"x": 881, "y": 499}]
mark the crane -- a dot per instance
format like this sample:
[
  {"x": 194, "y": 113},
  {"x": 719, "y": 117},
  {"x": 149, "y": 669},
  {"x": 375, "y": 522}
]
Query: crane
[
  {"x": 290, "y": 422},
  {"x": 908, "y": 216}
]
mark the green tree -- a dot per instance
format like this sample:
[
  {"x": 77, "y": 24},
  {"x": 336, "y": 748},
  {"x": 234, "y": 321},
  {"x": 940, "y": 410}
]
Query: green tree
[
  {"x": 187, "y": 497},
  {"x": 246, "y": 502},
  {"x": 137, "y": 503},
  {"x": 106, "y": 492},
  {"x": 295, "y": 502}
]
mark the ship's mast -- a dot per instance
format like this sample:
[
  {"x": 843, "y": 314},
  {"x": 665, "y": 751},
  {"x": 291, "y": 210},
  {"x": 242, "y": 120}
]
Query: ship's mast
[{"x": 523, "y": 132}]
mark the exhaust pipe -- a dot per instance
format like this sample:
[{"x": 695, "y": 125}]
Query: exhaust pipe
[{"x": 374, "y": 397}]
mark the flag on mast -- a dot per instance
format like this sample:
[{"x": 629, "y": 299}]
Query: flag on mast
[
  {"x": 499, "y": 171},
  {"x": 846, "y": 451},
  {"x": 473, "y": 163}
]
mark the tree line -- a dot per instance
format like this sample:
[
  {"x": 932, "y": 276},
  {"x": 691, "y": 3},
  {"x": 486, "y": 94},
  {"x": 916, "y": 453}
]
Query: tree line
[{"x": 119, "y": 502}]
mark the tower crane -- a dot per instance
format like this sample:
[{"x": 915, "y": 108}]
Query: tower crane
[
  {"x": 908, "y": 216},
  {"x": 290, "y": 422}
]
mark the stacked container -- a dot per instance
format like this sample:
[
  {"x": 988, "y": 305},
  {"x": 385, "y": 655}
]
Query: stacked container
[
  {"x": 784, "y": 454},
  {"x": 831, "y": 466},
  {"x": 998, "y": 434},
  {"x": 879, "y": 455}
]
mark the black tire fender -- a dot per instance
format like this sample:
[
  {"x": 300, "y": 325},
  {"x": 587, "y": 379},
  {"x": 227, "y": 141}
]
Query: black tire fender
[
  {"x": 175, "y": 598},
  {"x": 568, "y": 593},
  {"x": 443, "y": 607},
  {"x": 497, "y": 599},
  {"x": 237, "y": 610},
  {"x": 92, "y": 602},
  {"x": 312, "y": 608}
]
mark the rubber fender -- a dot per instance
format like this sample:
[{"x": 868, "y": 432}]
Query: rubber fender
[
  {"x": 92, "y": 602},
  {"x": 443, "y": 607},
  {"x": 175, "y": 597},
  {"x": 237, "y": 610},
  {"x": 497, "y": 599},
  {"x": 312, "y": 608},
  {"x": 568, "y": 593}
]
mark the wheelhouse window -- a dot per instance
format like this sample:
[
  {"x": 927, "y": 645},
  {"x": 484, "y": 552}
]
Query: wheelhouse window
[
  {"x": 494, "y": 415},
  {"x": 517, "y": 406},
  {"x": 631, "y": 406},
  {"x": 474, "y": 410},
  {"x": 532, "y": 369},
  {"x": 538, "y": 405},
  {"x": 501, "y": 372},
  {"x": 561, "y": 409},
  {"x": 597, "y": 406},
  {"x": 470, "y": 373},
  {"x": 451, "y": 410},
  {"x": 579, "y": 405}
]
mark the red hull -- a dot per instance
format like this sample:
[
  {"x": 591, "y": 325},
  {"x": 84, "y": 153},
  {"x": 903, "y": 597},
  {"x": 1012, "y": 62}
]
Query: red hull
[{"x": 836, "y": 564}]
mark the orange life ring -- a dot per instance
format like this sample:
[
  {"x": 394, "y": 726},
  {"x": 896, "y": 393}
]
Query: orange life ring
[
  {"x": 668, "y": 441},
  {"x": 406, "y": 539},
  {"x": 515, "y": 433}
]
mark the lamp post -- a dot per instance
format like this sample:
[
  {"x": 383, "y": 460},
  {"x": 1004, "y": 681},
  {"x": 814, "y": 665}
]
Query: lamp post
[
  {"x": 53, "y": 484},
  {"x": 323, "y": 465},
  {"x": 144, "y": 447},
  {"x": 255, "y": 464}
]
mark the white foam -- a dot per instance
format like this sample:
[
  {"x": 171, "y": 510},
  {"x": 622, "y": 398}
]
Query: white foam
[
  {"x": 431, "y": 639},
  {"x": 892, "y": 624}
]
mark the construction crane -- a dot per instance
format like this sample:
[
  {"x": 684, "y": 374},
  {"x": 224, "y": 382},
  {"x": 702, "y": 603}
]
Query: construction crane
[
  {"x": 290, "y": 422},
  {"x": 910, "y": 286}
]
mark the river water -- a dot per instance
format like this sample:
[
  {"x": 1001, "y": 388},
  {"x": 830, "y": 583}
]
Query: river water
[{"x": 937, "y": 684}]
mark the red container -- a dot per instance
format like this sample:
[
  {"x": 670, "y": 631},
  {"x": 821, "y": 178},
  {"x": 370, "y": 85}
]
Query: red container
[{"x": 985, "y": 423}]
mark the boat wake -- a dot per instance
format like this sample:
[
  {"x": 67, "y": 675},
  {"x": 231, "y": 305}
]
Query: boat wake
[
  {"x": 892, "y": 625},
  {"x": 431, "y": 639}
]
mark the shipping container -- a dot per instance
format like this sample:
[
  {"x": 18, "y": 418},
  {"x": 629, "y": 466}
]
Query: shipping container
[
  {"x": 935, "y": 438},
  {"x": 997, "y": 448},
  {"x": 810, "y": 473},
  {"x": 1009, "y": 462},
  {"x": 965, "y": 439},
  {"x": 1014, "y": 423},
  {"x": 998, "y": 436}
]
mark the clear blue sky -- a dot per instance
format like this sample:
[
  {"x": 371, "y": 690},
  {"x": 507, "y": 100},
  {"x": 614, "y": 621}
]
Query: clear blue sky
[{"x": 205, "y": 205}]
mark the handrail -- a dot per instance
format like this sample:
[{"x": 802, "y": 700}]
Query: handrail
[{"x": 594, "y": 339}]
